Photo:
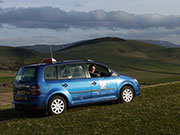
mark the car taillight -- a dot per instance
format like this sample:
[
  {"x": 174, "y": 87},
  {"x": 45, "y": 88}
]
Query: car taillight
[{"x": 35, "y": 90}]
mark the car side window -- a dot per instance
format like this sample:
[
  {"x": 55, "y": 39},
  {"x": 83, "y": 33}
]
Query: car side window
[
  {"x": 50, "y": 73},
  {"x": 71, "y": 71},
  {"x": 96, "y": 70}
]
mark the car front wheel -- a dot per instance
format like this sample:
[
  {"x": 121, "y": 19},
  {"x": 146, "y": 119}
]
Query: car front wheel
[
  {"x": 127, "y": 94},
  {"x": 57, "y": 105}
]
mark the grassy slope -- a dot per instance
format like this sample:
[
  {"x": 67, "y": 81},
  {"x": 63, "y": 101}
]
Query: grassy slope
[
  {"x": 155, "y": 111},
  {"x": 11, "y": 58},
  {"x": 143, "y": 61},
  {"x": 148, "y": 63}
]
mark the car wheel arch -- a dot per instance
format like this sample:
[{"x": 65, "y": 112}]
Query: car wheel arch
[
  {"x": 126, "y": 84},
  {"x": 57, "y": 94}
]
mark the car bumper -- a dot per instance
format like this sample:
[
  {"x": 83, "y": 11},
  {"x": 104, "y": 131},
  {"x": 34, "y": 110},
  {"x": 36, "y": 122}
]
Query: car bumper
[
  {"x": 23, "y": 106},
  {"x": 137, "y": 88}
]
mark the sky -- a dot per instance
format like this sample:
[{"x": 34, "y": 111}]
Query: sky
[{"x": 29, "y": 22}]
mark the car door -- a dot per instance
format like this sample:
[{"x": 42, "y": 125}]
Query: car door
[
  {"x": 103, "y": 85},
  {"x": 73, "y": 78}
]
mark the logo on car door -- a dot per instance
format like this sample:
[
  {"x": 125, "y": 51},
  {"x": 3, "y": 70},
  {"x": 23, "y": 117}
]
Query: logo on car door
[{"x": 102, "y": 84}]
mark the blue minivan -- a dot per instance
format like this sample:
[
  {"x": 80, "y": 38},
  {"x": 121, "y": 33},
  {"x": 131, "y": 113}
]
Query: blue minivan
[{"x": 56, "y": 86}]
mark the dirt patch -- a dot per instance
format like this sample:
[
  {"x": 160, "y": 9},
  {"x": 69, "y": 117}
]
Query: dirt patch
[{"x": 6, "y": 98}]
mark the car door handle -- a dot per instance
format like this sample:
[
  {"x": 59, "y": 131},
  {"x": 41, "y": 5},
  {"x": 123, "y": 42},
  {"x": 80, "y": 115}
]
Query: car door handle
[
  {"x": 94, "y": 83},
  {"x": 65, "y": 85}
]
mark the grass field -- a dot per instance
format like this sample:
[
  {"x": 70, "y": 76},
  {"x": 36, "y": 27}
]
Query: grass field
[
  {"x": 6, "y": 80},
  {"x": 155, "y": 112},
  {"x": 145, "y": 77},
  {"x": 6, "y": 83}
]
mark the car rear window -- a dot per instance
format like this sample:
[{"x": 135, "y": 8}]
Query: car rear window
[{"x": 26, "y": 74}]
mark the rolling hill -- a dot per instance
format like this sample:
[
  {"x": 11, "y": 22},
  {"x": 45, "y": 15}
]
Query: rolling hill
[
  {"x": 144, "y": 61},
  {"x": 125, "y": 54},
  {"x": 161, "y": 43},
  {"x": 141, "y": 60},
  {"x": 43, "y": 48},
  {"x": 11, "y": 58}
]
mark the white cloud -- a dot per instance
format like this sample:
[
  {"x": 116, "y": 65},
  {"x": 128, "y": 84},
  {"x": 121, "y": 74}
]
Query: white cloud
[
  {"x": 48, "y": 25},
  {"x": 55, "y": 18}
]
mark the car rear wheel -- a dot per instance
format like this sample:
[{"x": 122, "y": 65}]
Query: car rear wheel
[
  {"x": 127, "y": 94},
  {"x": 57, "y": 105}
]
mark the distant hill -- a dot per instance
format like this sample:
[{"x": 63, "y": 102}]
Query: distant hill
[
  {"x": 135, "y": 58},
  {"x": 125, "y": 54},
  {"x": 116, "y": 51},
  {"x": 43, "y": 48},
  {"x": 46, "y": 48},
  {"x": 161, "y": 43},
  {"x": 94, "y": 41}
]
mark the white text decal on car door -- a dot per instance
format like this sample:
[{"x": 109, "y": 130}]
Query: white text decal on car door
[{"x": 102, "y": 84}]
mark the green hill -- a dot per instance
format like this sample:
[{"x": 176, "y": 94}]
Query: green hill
[
  {"x": 11, "y": 58},
  {"x": 131, "y": 57},
  {"x": 148, "y": 63}
]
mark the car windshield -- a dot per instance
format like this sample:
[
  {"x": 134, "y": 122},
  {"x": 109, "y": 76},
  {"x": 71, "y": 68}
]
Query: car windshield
[{"x": 26, "y": 74}]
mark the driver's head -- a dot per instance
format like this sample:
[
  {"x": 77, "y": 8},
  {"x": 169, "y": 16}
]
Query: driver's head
[{"x": 92, "y": 68}]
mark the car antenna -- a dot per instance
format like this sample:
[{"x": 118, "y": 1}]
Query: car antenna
[
  {"x": 50, "y": 60},
  {"x": 51, "y": 51}
]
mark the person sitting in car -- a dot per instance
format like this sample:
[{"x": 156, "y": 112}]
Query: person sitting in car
[{"x": 93, "y": 72}]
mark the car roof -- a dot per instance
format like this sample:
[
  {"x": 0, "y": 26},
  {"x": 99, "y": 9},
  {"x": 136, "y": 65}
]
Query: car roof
[
  {"x": 75, "y": 61},
  {"x": 63, "y": 62}
]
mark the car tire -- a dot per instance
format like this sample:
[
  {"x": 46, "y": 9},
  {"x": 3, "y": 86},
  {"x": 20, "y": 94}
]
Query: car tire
[
  {"x": 126, "y": 94},
  {"x": 57, "y": 105}
]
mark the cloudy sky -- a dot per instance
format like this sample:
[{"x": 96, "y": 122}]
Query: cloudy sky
[{"x": 28, "y": 22}]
